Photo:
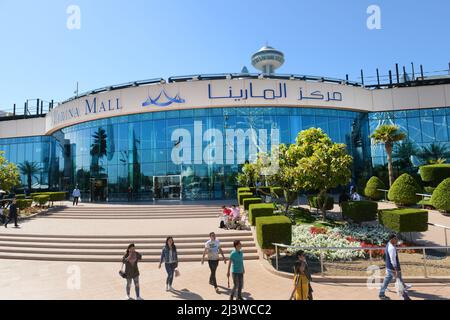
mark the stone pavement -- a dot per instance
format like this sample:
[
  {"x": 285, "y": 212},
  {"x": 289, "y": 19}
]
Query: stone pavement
[{"x": 58, "y": 281}]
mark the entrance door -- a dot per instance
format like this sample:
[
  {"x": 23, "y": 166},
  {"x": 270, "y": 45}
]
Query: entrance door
[
  {"x": 99, "y": 190},
  {"x": 167, "y": 188}
]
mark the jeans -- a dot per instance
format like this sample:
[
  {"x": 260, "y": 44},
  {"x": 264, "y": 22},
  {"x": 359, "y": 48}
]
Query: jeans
[
  {"x": 238, "y": 284},
  {"x": 170, "y": 268},
  {"x": 136, "y": 286},
  {"x": 213, "y": 264},
  {"x": 75, "y": 201},
  {"x": 388, "y": 279}
]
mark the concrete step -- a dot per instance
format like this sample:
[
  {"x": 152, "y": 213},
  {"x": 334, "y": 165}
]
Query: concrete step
[
  {"x": 126, "y": 217},
  {"x": 228, "y": 234},
  {"x": 103, "y": 258}
]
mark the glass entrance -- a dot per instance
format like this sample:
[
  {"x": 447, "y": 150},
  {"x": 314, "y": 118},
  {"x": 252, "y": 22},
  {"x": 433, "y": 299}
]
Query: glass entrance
[
  {"x": 167, "y": 187},
  {"x": 99, "y": 190}
]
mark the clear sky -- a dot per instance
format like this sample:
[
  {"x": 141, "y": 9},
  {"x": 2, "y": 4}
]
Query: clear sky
[{"x": 121, "y": 41}]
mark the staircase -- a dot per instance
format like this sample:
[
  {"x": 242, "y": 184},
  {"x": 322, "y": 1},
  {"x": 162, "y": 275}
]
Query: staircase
[{"x": 111, "y": 248}]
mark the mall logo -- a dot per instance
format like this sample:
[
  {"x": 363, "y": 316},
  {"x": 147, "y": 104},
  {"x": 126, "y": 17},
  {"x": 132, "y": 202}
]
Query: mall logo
[
  {"x": 163, "y": 100},
  {"x": 221, "y": 148}
]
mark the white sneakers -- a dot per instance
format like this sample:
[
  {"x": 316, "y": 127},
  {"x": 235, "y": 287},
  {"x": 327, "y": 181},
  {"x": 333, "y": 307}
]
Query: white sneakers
[
  {"x": 139, "y": 298},
  {"x": 130, "y": 298}
]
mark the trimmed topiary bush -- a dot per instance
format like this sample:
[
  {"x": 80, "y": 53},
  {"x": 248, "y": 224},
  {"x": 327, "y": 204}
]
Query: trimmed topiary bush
[
  {"x": 314, "y": 202},
  {"x": 360, "y": 211},
  {"x": 276, "y": 229},
  {"x": 441, "y": 196},
  {"x": 404, "y": 220},
  {"x": 243, "y": 190},
  {"x": 259, "y": 210},
  {"x": 372, "y": 189},
  {"x": 404, "y": 191},
  {"x": 24, "y": 203},
  {"x": 244, "y": 195},
  {"x": 248, "y": 201},
  {"x": 41, "y": 199},
  {"x": 435, "y": 173}
]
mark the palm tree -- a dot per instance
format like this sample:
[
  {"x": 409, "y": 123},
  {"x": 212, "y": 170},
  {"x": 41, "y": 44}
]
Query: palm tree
[
  {"x": 434, "y": 153},
  {"x": 389, "y": 135},
  {"x": 29, "y": 169},
  {"x": 98, "y": 150}
]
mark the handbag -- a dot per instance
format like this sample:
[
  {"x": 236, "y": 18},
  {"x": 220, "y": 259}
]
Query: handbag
[
  {"x": 177, "y": 273},
  {"x": 399, "y": 287},
  {"x": 121, "y": 272}
]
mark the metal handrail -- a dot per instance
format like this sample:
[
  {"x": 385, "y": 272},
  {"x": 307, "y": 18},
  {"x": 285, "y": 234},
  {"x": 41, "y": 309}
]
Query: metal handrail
[{"x": 369, "y": 249}]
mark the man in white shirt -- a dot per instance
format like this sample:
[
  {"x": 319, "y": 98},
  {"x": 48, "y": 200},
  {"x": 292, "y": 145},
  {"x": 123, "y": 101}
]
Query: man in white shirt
[
  {"x": 354, "y": 196},
  {"x": 76, "y": 194},
  {"x": 212, "y": 249},
  {"x": 393, "y": 269}
]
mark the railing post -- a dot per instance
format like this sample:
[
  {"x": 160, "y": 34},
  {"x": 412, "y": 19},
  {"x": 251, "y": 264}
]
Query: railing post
[
  {"x": 276, "y": 257},
  {"x": 370, "y": 255},
  {"x": 424, "y": 263},
  {"x": 446, "y": 240},
  {"x": 321, "y": 262}
]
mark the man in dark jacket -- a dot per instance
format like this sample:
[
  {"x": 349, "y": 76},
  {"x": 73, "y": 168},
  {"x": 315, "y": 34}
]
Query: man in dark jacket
[{"x": 12, "y": 213}]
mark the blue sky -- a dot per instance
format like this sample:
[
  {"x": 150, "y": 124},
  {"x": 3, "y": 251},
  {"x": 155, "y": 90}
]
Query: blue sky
[{"x": 121, "y": 41}]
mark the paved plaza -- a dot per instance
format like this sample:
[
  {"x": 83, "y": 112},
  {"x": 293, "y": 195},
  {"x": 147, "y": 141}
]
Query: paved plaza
[{"x": 40, "y": 279}]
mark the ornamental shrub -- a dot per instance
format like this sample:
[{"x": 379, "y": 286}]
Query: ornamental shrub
[
  {"x": 404, "y": 220},
  {"x": 360, "y": 211},
  {"x": 441, "y": 196},
  {"x": 243, "y": 189},
  {"x": 248, "y": 201},
  {"x": 372, "y": 189},
  {"x": 276, "y": 229},
  {"x": 244, "y": 195},
  {"x": 24, "y": 203},
  {"x": 20, "y": 196},
  {"x": 259, "y": 210},
  {"x": 41, "y": 199},
  {"x": 429, "y": 190},
  {"x": 404, "y": 191},
  {"x": 314, "y": 202},
  {"x": 435, "y": 173}
]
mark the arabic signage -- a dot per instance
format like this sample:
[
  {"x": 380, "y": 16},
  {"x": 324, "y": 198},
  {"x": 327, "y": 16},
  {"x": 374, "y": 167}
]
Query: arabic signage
[{"x": 207, "y": 94}]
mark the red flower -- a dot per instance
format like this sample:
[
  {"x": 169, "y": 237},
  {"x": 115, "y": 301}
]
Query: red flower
[{"x": 318, "y": 230}]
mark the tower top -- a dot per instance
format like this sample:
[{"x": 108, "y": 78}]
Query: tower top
[{"x": 267, "y": 59}]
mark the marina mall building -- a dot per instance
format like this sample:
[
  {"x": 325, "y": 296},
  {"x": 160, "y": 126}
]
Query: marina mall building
[{"x": 187, "y": 137}]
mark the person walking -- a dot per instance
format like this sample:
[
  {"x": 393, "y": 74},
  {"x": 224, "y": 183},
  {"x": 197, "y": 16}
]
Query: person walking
[
  {"x": 130, "y": 193},
  {"x": 12, "y": 214},
  {"x": 302, "y": 288},
  {"x": 76, "y": 194},
  {"x": 212, "y": 249},
  {"x": 170, "y": 258},
  {"x": 393, "y": 269},
  {"x": 236, "y": 266},
  {"x": 130, "y": 260}
]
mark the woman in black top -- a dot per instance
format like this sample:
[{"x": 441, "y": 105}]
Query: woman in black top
[{"x": 130, "y": 260}]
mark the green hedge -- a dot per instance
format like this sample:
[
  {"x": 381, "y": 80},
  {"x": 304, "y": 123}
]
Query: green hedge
[
  {"x": 441, "y": 196},
  {"x": 429, "y": 190},
  {"x": 435, "y": 173},
  {"x": 313, "y": 202},
  {"x": 360, "y": 211},
  {"x": 57, "y": 196},
  {"x": 244, "y": 195},
  {"x": 276, "y": 229},
  {"x": 41, "y": 199},
  {"x": 243, "y": 190},
  {"x": 24, "y": 203},
  {"x": 248, "y": 201},
  {"x": 404, "y": 220},
  {"x": 20, "y": 196},
  {"x": 404, "y": 191},
  {"x": 372, "y": 189},
  {"x": 259, "y": 210},
  {"x": 278, "y": 191}
]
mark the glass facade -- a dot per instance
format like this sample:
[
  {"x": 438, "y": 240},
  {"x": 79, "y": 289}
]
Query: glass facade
[
  {"x": 422, "y": 127},
  {"x": 136, "y": 151},
  {"x": 132, "y": 156},
  {"x": 42, "y": 154}
]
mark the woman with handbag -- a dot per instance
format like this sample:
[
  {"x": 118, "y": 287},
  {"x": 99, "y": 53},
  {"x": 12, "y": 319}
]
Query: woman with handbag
[
  {"x": 131, "y": 273},
  {"x": 170, "y": 258}
]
